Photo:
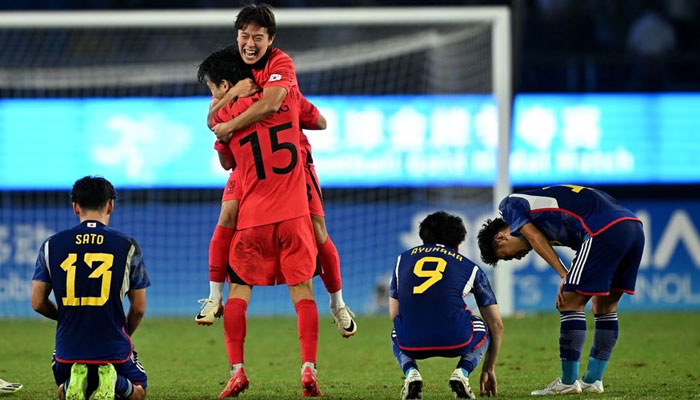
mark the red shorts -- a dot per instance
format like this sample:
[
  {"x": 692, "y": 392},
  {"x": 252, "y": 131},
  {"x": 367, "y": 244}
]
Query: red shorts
[
  {"x": 232, "y": 191},
  {"x": 283, "y": 252},
  {"x": 313, "y": 191}
]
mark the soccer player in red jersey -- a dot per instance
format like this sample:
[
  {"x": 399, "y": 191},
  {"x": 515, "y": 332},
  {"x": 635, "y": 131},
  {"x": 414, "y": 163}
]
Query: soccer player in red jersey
[
  {"x": 274, "y": 242},
  {"x": 274, "y": 71}
]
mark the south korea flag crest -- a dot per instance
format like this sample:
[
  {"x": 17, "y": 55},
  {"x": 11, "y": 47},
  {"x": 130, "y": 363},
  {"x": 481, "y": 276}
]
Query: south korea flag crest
[{"x": 275, "y": 77}]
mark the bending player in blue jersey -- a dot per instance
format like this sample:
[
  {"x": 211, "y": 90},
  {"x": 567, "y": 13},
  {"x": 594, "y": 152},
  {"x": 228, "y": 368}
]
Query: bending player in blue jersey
[
  {"x": 608, "y": 239},
  {"x": 428, "y": 288},
  {"x": 91, "y": 268}
]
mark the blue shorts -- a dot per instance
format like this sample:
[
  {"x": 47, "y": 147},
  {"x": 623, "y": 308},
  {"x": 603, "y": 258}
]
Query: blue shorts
[
  {"x": 131, "y": 370},
  {"x": 608, "y": 261},
  {"x": 480, "y": 335}
]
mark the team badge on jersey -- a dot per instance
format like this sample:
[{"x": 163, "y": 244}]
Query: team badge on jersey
[
  {"x": 275, "y": 77},
  {"x": 91, "y": 225}
]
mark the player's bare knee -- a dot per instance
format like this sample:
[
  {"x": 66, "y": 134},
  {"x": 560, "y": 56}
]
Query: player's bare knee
[
  {"x": 573, "y": 302},
  {"x": 320, "y": 232},
  {"x": 61, "y": 395},
  {"x": 239, "y": 291},
  {"x": 605, "y": 304},
  {"x": 302, "y": 291}
]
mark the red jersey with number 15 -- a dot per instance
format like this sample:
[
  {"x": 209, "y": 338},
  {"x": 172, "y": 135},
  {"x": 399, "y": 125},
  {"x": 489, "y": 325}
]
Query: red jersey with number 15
[
  {"x": 269, "y": 163},
  {"x": 279, "y": 71}
]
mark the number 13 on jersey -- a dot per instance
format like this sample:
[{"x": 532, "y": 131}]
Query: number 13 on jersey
[{"x": 433, "y": 275}]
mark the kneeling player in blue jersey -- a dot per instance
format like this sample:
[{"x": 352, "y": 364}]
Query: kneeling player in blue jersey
[
  {"x": 431, "y": 319},
  {"x": 608, "y": 239},
  {"x": 91, "y": 268}
]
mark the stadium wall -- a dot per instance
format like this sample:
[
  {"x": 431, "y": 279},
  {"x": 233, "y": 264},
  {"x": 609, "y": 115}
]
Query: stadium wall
[{"x": 174, "y": 237}]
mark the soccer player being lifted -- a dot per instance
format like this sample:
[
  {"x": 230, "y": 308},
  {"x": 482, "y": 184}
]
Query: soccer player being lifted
[
  {"x": 274, "y": 72},
  {"x": 274, "y": 242},
  {"x": 608, "y": 239},
  {"x": 428, "y": 307},
  {"x": 90, "y": 269}
]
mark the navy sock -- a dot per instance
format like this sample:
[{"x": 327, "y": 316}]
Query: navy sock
[
  {"x": 404, "y": 361},
  {"x": 604, "y": 339},
  {"x": 572, "y": 334},
  {"x": 123, "y": 388}
]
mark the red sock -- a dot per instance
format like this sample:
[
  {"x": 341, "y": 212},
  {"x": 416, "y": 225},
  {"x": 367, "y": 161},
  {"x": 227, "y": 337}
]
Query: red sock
[
  {"x": 235, "y": 329},
  {"x": 330, "y": 266},
  {"x": 218, "y": 253},
  {"x": 307, "y": 324}
]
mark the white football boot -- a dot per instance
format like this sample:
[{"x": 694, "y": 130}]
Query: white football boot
[
  {"x": 210, "y": 310},
  {"x": 9, "y": 387},
  {"x": 342, "y": 316},
  {"x": 460, "y": 385},
  {"x": 558, "y": 387},
  {"x": 595, "y": 387},
  {"x": 412, "y": 386}
]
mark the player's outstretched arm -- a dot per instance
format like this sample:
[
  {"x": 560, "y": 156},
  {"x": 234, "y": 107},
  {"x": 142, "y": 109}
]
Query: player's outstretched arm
[
  {"x": 541, "y": 245},
  {"x": 137, "y": 309},
  {"x": 41, "y": 302},
  {"x": 492, "y": 317},
  {"x": 271, "y": 100}
]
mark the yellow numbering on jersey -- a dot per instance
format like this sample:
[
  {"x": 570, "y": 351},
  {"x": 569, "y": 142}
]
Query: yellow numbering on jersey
[
  {"x": 574, "y": 188},
  {"x": 102, "y": 271},
  {"x": 433, "y": 275}
]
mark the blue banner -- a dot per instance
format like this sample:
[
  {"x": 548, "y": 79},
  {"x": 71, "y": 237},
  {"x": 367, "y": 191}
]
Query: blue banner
[
  {"x": 428, "y": 140},
  {"x": 605, "y": 139},
  {"x": 369, "y": 237}
]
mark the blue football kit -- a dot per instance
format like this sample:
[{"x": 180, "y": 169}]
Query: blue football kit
[
  {"x": 607, "y": 237},
  {"x": 91, "y": 267},
  {"x": 430, "y": 283}
]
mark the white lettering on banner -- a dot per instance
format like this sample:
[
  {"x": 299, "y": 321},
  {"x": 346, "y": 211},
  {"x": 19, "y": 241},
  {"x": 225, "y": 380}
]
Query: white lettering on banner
[
  {"x": 407, "y": 129},
  {"x": 364, "y": 129},
  {"x": 20, "y": 243},
  {"x": 5, "y": 247},
  {"x": 537, "y": 126},
  {"x": 135, "y": 144},
  {"x": 581, "y": 128},
  {"x": 27, "y": 239},
  {"x": 667, "y": 288},
  {"x": 15, "y": 288},
  {"x": 450, "y": 127},
  {"x": 679, "y": 229}
]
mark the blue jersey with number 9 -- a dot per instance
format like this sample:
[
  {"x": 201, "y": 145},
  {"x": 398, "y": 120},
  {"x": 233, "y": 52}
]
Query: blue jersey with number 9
[
  {"x": 91, "y": 268},
  {"x": 431, "y": 283}
]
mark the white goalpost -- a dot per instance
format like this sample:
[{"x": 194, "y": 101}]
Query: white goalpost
[{"x": 382, "y": 51}]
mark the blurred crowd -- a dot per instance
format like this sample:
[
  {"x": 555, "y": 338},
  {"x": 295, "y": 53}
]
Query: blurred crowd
[{"x": 559, "y": 45}]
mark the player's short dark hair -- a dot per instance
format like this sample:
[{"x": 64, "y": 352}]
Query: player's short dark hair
[
  {"x": 92, "y": 192},
  {"x": 485, "y": 239},
  {"x": 442, "y": 228},
  {"x": 261, "y": 14},
  {"x": 223, "y": 64}
]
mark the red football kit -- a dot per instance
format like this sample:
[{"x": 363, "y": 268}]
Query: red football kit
[
  {"x": 279, "y": 71},
  {"x": 275, "y": 241}
]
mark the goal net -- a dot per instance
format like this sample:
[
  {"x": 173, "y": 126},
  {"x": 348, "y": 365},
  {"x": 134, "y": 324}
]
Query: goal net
[{"x": 417, "y": 102}]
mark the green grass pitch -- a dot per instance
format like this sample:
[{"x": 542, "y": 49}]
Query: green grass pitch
[{"x": 657, "y": 356}]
